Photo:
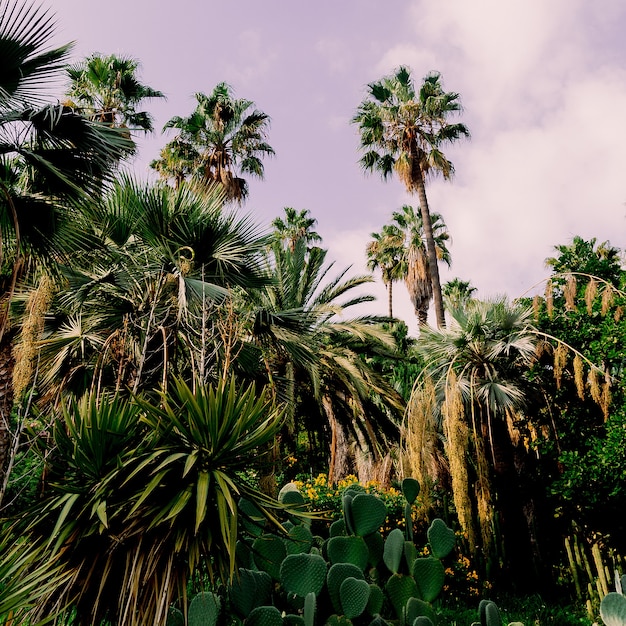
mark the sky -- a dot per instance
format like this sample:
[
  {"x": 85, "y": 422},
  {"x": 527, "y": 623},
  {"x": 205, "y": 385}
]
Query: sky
[{"x": 543, "y": 88}]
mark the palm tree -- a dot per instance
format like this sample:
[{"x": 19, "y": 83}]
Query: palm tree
[
  {"x": 312, "y": 356},
  {"x": 417, "y": 274},
  {"x": 385, "y": 251},
  {"x": 106, "y": 89},
  {"x": 296, "y": 225},
  {"x": 403, "y": 131},
  {"x": 228, "y": 136},
  {"x": 50, "y": 158},
  {"x": 140, "y": 302},
  {"x": 476, "y": 369},
  {"x": 457, "y": 293}
]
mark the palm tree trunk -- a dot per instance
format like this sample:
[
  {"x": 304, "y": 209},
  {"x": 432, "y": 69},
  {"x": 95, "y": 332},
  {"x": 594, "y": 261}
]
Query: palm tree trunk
[
  {"x": 430, "y": 249},
  {"x": 390, "y": 298}
]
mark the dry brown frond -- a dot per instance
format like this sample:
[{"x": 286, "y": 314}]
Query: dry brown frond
[
  {"x": 570, "y": 293},
  {"x": 578, "y": 376},
  {"x": 25, "y": 351},
  {"x": 483, "y": 496},
  {"x": 607, "y": 298},
  {"x": 606, "y": 396},
  {"x": 541, "y": 347},
  {"x": 456, "y": 445},
  {"x": 536, "y": 307},
  {"x": 619, "y": 312},
  {"x": 560, "y": 360},
  {"x": 514, "y": 433},
  {"x": 594, "y": 385},
  {"x": 590, "y": 294},
  {"x": 549, "y": 299}
]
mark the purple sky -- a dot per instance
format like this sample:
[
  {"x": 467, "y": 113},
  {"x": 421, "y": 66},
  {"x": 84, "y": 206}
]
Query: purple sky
[{"x": 543, "y": 85}]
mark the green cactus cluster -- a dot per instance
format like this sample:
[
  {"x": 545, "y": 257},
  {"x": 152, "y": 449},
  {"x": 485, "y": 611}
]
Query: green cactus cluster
[{"x": 354, "y": 576}]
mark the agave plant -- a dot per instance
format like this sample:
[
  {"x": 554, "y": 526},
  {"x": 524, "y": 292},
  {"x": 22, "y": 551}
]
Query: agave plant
[{"x": 145, "y": 494}]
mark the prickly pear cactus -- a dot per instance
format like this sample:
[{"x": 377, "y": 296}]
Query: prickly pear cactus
[
  {"x": 429, "y": 575},
  {"x": 368, "y": 514},
  {"x": 336, "y": 575},
  {"x": 394, "y": 550}
]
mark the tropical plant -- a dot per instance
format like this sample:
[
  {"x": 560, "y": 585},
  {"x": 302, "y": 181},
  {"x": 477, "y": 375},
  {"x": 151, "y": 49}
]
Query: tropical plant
[
  {"x": 416, "y": 265},
  {"x": 107, "y": 89},
  {"x": 385, "y": 251},
  {"x": 475, "y": 391},
  {"x": 312, "y": 355},
  {"x": 143, "y": 495},
  {"x": 140, "y": 303},
  {"x": 50, "y": 157},
  {"x": 404, "y": 130},
  {"x": 296, "y": 225},
  {"x": 223, "y": 139},
  {"x": 457, "y": 293}
]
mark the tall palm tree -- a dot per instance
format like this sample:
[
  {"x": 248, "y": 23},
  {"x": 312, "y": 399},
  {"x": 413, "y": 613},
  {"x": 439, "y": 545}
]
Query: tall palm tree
[
  {"x": 385, "y": 251},
  {"x": 50, "y": 158},
  {"x": 417, "y": 274},
  {"x": 296, "y": 225},
  {"x": 106, "y": 89},
  {"x": 404, "y": 130},
  {"x": 228, "y": 136}
]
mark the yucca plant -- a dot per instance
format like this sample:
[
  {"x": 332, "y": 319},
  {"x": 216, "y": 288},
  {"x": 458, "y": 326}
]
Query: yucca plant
[{"x": 134, "y": 524}]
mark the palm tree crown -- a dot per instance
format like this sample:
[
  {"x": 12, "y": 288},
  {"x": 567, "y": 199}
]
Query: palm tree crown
[
  {"x": 106, "y": 89},
  {"x": 228, "y": 136}
]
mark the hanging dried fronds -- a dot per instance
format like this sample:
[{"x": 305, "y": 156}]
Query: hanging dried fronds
[
  {"x": 607, "y": 298},
  {"x": 484, "y": 502},
  {"x": 619, "y": 312},
  {"x": 606, "y": 396},
  {"x": 579, "y": 376},
  {"x": 457, "y": 440},
  {"x": 541, "y": 347},
  {"x": 590, "y": 294},
  {"x": 514, "y": 433},
  {"x": 560, "y": 360},
  {"x": 570, "y": 293},
  {"x": 536, "y": 307},
  {"x": 420, "y": 438},
  {"x": 549, "y": 299},
  {"x": 595, "y": 386},
  {"x": 25, "y": 351}
]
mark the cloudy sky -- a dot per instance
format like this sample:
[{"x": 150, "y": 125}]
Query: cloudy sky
[{"x": 543, "y": 85}]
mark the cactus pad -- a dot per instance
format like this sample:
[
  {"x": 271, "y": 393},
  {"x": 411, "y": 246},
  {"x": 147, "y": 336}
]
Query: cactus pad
[
  {"x": 303, "y": 573},
  {"x": 429, "y": 575},
  {"x": 248, "y": 590},
  {"x": 613, "y": 609},
  {"x": 265, "y": 616},
  {"x": 399, "y": 589},
  {"x": 441, "y": 538},
  {"x": 336, "y": 575},
  {"x": 417, "y": 609},
  {"x": 300, "y": 540},
  {"x": 368, "y": 514},
  {"x": 393, "y": 550},
  {"x": 354, "y": 594},
  {"x": 410, "y": 489},
  {"x": 252, "y": 518},
  {"x": 337, "y": 528},
  {"x": 204, "y": 609},
  {"x": 375, "y": 600},
  {"x": 310, "y": 608},
  {"x": 269, "y": 552},
  {"x": 175, "y": 617},
  {"x": 348, "y": 550},
  {"x": 422, "y": 620}
]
